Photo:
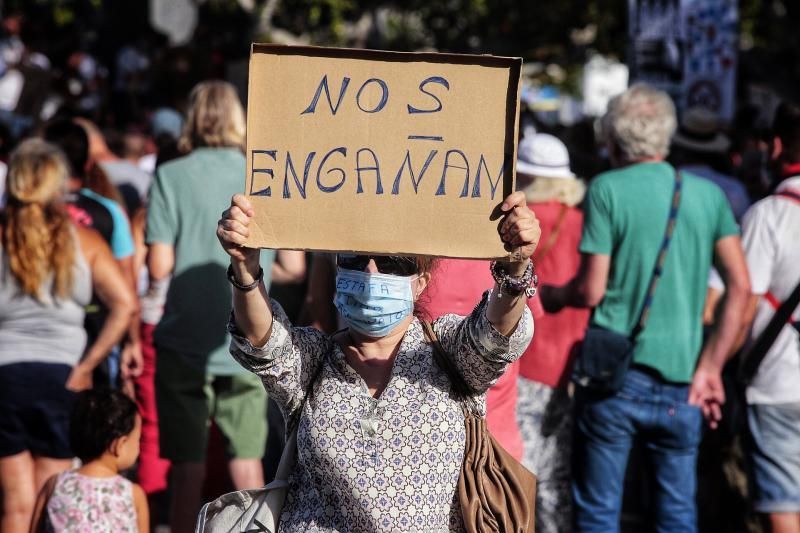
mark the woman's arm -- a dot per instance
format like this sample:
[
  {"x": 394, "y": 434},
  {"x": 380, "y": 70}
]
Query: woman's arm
[
  {"x": 264, "y": 341},
  {"x": 131, "y": 360},
  {"x": 289, "y": 266},
  {"x": 519, "y": 230},
  {"x": 251, "y": 308},
  {"x": 115, "y": 292},
  {"x": 500, "y": 328}
]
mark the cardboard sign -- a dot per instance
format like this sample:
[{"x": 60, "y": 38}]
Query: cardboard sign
[{"x": 381, "y": 152}]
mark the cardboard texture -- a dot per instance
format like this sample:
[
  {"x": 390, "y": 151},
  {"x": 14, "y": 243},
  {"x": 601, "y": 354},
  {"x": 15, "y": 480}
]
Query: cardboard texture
[{"x": 381, "y": 152}]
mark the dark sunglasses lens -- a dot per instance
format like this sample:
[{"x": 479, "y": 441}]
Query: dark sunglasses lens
[
  {"x": 396, "y": 265},
  {"x": 352, "y": 262},
  {"x": 387, "y": 264}
]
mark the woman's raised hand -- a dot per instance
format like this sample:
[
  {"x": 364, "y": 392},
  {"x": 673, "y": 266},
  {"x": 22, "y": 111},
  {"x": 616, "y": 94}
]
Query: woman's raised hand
[
  {"x": 233, "y": 229},
  {"x": 520, "y": 227}
]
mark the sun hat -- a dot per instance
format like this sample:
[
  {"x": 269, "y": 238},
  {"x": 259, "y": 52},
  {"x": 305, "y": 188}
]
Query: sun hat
[
  {"x": 700, "y": 131},
  {"x": 543, "y": 155}
]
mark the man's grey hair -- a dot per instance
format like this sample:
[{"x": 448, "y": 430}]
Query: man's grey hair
[{"x": 640, "y": 122}]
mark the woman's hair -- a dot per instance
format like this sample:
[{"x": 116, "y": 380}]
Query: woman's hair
[
  {"x": 566, "y": 191},
  {"x": 425, "y": 265},
  {"x": 215, "y": 118},
  {"x": 97, "y": 181},
  {"x": 99, "y": 417},
  {"x": 37, "y": 232},
  {"x": 640, "y": 122}
]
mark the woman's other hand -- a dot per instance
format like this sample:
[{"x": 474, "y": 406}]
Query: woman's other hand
[
  {"x": 233, "y": 229},
  {"x": 520, "y": 227},
  {"x": 80, "y": 378}
]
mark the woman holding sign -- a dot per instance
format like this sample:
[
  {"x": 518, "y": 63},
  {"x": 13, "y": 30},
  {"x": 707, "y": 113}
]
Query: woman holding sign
[{"x": 380, "y": 439}]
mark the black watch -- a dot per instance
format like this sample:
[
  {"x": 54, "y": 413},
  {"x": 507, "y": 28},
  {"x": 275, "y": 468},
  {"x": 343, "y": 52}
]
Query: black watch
[{"x": 245, "y": 288}]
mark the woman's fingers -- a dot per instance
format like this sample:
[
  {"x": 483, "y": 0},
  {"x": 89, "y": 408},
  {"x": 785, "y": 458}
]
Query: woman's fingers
[
  {"x": 235, "y": 226},
  {"x": 235, "y": 213},
  {"x": 526, "y": 237},
  {"x": 515, "y": 199},
  {"x": 230, "y": 237},
  {"x": 512, "y": 218},
  {"x": 520, "y": 226},
  {"x": 240, "y": 201}
]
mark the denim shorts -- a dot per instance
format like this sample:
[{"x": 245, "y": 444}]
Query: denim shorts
[{"x": 775, "y": 456}]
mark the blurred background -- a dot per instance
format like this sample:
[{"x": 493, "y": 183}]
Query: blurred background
[
  {"x": 116, "y": 61},
  {"x": 119, "y": 63}
]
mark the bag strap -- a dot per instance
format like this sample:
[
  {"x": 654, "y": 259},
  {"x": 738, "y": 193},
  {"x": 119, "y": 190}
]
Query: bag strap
[
  {"x": 553, "y": 237},
  {"x": 662, "y": 257},
  {"x": 462, "y": 390},
  {"x": 758, "y": 352}
]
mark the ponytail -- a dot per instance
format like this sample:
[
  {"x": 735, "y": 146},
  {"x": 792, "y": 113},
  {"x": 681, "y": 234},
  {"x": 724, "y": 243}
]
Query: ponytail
[{"x": 37, "y": 233}]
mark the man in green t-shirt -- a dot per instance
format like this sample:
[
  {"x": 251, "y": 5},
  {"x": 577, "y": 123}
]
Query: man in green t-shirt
[
  {"x": 196, "y": 379},
  {"x": 673, "y": 379}
]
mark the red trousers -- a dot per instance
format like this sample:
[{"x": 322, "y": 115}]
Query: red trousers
[{"x": 153, "y": 470}]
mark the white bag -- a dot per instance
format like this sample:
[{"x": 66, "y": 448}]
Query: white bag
[{"x": 254, "y": 510}]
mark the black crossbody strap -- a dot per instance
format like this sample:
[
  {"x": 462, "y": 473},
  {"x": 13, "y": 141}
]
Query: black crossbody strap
[
  {"x": 758, "y": 351},
  {"x": 662, "y": 257},
  {"x": 764, "y": 342}
]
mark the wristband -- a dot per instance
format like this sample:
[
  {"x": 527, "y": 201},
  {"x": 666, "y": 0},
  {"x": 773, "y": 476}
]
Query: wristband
[{"x": 245, "y": 288}]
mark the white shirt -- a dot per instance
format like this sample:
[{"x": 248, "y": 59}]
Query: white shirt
[{"x": 771, "y": 238}]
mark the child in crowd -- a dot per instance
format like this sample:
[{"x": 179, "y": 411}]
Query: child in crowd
[{"x": 104, "y": 434}]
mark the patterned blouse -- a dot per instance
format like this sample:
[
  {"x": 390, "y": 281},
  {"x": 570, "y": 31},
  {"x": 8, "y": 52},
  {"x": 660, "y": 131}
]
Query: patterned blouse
[
  {"x": 378, "y": 464},
  {"x": 83, "y": 504}
]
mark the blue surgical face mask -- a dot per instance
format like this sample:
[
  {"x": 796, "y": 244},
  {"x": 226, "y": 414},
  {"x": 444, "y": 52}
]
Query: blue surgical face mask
[{"x": 373, "y": 304}]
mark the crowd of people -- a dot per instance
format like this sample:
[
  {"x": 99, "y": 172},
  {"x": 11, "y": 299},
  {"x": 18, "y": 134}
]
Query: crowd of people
[{"x": 118, "y": 277}]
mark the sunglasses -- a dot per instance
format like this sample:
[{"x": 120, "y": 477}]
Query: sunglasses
[{"x": 395, "y": 265}]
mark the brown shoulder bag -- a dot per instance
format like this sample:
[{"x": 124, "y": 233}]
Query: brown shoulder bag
[{"x": 496, "y": 493}]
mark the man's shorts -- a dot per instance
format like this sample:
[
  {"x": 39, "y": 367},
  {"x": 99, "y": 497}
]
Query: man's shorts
[
  {"x": 775, "y": 456},
  {"x": 188, "y": 399},
  {"x": 36, "y": 409}
]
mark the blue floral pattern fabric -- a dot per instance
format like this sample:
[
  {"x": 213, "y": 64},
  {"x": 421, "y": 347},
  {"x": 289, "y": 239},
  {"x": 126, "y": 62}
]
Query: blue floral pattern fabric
[{"x": 378, "y": 464}]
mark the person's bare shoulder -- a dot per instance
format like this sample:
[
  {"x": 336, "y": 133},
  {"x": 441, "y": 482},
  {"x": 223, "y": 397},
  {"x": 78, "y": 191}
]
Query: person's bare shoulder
[{"x": 91, "y": 242}]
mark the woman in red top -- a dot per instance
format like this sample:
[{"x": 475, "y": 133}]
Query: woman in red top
[{"x": 544, "y": 408}]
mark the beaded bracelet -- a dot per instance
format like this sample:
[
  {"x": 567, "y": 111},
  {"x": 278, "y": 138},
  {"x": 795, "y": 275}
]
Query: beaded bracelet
[{"x": 515, "y": 286}]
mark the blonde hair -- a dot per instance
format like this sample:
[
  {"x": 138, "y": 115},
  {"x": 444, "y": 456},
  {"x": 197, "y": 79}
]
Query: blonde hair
[
  {"x": 569, "y": 192},
  {"x": 37, "y": 234},
  {"x": 215, "y": 118},
  {"x": 640, "y": 122}
]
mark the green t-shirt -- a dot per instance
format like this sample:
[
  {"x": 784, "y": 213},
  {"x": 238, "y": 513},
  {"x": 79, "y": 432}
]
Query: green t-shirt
[
  {"x": 186, "y": 199},
  {"x": 626, "y": 217}
]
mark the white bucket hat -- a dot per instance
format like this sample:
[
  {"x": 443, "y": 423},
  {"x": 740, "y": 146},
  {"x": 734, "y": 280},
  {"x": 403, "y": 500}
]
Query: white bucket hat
[{"x": 543, "y": 155}]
